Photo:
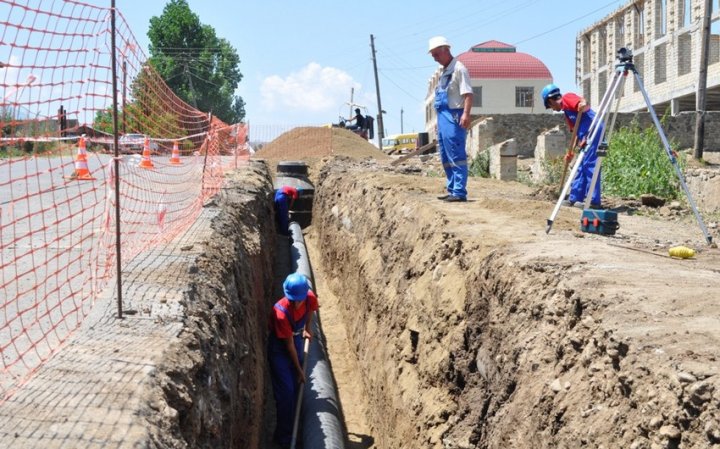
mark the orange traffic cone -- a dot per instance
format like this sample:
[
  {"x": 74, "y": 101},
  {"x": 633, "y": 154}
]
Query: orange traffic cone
[
  {"x": 175, "y": 157},
  {"x": 82, "y": 151},
  {"x": 146, "y": 162},
  {"x": 82, "y": 172}
]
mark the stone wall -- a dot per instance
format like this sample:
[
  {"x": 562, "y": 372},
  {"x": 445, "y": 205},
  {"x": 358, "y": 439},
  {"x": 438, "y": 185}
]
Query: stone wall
[{"x": 525, "y": 129}]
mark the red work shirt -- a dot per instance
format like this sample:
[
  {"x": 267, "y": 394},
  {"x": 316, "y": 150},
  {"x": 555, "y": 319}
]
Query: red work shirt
[
  {"x": 570, "y": 103},
  {"x": 279, "y": 322},
  {"x": 290, "y": 191}
]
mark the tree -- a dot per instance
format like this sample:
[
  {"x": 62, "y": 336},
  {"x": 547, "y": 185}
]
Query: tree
[{"x": 199, "y": 67}]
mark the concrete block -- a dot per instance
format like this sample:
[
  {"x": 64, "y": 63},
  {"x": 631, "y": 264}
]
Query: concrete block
[
  {"x": 503, "y": 160},
  {"x": 551, "y": 145}
]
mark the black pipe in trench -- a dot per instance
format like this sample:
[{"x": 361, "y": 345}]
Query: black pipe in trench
[{"x": 323, "y": 425}]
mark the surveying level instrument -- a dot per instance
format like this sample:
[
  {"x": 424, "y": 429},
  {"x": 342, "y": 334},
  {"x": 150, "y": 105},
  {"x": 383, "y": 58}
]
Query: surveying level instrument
[{"x": 622, "y": 68}]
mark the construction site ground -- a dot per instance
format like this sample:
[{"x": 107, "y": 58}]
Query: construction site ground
[{"x": 449, "y": 325}]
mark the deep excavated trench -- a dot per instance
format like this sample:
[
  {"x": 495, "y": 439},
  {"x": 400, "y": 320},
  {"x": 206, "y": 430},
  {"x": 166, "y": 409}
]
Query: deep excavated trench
[{"x": 464, "y": 326}]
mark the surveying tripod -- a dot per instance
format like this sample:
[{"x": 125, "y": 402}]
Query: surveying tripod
[{"x": 622, "y": 68}]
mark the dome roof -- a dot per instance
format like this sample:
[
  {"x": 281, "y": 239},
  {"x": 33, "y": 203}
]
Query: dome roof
[{"x": 497, "y": 60}]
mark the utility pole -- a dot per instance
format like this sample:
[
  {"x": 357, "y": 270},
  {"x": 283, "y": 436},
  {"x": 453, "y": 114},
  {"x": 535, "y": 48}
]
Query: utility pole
[
  {"x": 381, "y": 134},
  {"x": 192, "y": 89},
  {"x": 401, "y": 121},
  {"x": 702, "y": 83},
  {"x": 352, "y": 96}
]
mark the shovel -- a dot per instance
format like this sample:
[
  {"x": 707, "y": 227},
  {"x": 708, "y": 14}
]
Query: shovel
[
  {"x": 299, "y": 396},
  {"x": 573, "y": 143}
]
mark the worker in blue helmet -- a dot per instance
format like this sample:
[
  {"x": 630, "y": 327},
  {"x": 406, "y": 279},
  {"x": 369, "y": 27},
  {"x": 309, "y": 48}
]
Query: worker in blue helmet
[
  {"x": 290, "y": 323},
  {"x": 571, "y": 105}
]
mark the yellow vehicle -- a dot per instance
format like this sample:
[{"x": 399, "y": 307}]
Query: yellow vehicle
[{"x": 400, "y": 143}]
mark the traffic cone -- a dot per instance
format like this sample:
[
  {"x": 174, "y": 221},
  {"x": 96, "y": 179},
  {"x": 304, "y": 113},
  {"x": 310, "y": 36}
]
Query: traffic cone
[
  {"x": 82, "y": 172},
  {"x": 82, "y": 151},
  {"x": 175, "y": 157},
  {"x": 146, "y": 162}
]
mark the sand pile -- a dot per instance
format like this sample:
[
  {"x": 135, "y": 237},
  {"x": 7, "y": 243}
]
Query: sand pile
[{"x": 310, "y": 144}]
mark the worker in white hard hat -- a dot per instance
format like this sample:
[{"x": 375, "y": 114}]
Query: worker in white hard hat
[{"x": 453, "y": 101}]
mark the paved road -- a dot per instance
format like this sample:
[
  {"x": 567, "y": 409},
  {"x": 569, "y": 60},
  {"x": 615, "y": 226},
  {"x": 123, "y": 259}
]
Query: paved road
[{"x": 90, "y": 395}]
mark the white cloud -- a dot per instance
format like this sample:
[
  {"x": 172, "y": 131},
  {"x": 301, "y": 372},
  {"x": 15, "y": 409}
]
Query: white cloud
[{"x": 312, "y": 89}]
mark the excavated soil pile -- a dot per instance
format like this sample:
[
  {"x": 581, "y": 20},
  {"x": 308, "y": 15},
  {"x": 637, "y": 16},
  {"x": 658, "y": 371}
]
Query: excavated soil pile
[{"x": 311, "y": 144}]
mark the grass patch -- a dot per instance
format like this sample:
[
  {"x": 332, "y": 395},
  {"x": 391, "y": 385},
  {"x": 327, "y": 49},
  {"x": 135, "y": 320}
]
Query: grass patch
[{"x": 636, "y": 164}]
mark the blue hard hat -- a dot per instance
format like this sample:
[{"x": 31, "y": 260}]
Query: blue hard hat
[
  {"x": 296, "y": 287},
  {"x": 548, "y": 92}
]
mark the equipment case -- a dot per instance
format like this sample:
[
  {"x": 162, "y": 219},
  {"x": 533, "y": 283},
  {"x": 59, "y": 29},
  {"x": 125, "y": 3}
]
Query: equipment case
[{"x": 599, "y": 221}]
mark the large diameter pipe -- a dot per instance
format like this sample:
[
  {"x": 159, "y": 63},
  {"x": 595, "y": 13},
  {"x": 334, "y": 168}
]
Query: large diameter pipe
[{"x": 323, "y": 425}]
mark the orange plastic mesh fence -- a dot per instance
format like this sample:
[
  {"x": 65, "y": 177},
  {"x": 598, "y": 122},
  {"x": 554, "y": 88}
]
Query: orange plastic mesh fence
[{"x": 57, "y": 197}]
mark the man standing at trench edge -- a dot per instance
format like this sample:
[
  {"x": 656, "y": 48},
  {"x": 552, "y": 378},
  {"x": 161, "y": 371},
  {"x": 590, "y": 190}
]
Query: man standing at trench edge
[{"x": 453, "y": 101}]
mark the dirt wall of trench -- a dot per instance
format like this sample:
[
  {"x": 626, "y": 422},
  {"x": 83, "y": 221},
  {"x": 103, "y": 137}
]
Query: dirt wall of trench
[
  {"x": 473, "y": 330},
  {"x": 208, "y": 390}
]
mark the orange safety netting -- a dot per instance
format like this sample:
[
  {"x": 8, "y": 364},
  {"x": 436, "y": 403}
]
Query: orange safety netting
[{"x": 57, "y": 175}]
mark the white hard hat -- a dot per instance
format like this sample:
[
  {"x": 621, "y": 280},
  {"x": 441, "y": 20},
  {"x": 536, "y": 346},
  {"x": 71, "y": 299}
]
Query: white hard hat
[{"x": 437, "y": 41}]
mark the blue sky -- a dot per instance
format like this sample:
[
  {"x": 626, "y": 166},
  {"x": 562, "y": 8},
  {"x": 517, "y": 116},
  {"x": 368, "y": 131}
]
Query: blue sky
[{"x": 300, "y": 59}]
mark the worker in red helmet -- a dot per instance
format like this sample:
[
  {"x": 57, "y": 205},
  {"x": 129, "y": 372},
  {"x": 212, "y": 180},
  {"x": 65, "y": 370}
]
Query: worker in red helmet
[
  {"x": 284, "y": 198},
  {"x": 290, "y": 323}
]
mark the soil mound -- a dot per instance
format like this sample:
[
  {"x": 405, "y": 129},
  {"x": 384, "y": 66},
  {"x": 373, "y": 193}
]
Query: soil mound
[{"x": 314, "y": 143}]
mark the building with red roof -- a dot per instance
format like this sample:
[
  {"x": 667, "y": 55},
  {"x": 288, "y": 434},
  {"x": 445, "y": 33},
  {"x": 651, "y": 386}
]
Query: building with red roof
[{"x": 504, "y": 81}]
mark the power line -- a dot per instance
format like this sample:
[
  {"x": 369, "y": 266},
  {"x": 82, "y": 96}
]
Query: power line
[{"x": 564, "y": 24}]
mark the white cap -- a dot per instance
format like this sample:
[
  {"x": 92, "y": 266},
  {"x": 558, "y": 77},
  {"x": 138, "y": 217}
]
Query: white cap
[{"x": 437, "y": 41}]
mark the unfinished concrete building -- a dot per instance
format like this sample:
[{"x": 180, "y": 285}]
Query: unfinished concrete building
[{"x": 665, "y": 38}]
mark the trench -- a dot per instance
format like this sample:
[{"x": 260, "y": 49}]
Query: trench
[{"x": 446, "y": 330}]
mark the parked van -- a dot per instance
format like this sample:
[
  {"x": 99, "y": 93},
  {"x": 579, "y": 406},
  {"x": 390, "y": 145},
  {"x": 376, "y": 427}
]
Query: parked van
[{"x": 400, "y": 143}]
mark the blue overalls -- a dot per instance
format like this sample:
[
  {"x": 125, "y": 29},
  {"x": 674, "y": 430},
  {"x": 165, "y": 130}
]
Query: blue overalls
[
  {"x": 284, "y": 380},
  {"x": 451, "y": 138},
  {"x": 583, "y": 178},
  {"x": 282, "y": 212}
]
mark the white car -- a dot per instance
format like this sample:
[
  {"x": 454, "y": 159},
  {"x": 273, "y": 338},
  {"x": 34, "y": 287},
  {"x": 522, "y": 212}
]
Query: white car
[{"x": 134, "y": 143}]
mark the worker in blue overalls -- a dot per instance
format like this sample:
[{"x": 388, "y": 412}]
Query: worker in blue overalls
[
  {"x": 453, "y": 102},
  {"x": 290, "y": 323},
  {"x": 572, "y": 105},
  {"x": 284, "y": 198}
]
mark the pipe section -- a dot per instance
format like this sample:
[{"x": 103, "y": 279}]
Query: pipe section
[{"x": 323, "y": 425}]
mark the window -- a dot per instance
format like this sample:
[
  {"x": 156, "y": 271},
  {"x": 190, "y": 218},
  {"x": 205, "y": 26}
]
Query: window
[
  {"x": 684, "y": 53},
  {"x": 524, "y": 97},
  {"x": 586, "y": 90},
  {"x": 685, "y": 12},
  {"x": 602, "y": 83},
  {"x": 660, "y": 18},
  {"x": 477, "y": 97},
  {"x": 640, "y": 26},
  {"x": 661, "y": 63},
  {"x": 639, "y": 66}
]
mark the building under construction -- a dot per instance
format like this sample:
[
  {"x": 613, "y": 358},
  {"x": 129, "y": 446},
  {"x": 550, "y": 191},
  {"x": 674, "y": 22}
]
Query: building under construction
[{"x": 665, "y": 37}]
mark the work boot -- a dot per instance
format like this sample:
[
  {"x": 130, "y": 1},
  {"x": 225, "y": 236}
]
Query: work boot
[
  {"x": 455, "y": 199},
  {"x": 443, "y": 197}
]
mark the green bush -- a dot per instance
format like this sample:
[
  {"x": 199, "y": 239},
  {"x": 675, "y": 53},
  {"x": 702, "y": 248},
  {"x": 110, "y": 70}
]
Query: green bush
[
  {"x": 480, "y": 166},
  {"x": 553, "y": 169},
  {"x": 637, "y": 163}
]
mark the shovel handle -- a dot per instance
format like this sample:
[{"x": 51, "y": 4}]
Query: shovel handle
[
  {"x": 573, "y": 143},
  {"x": 298, "y": 403}
]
